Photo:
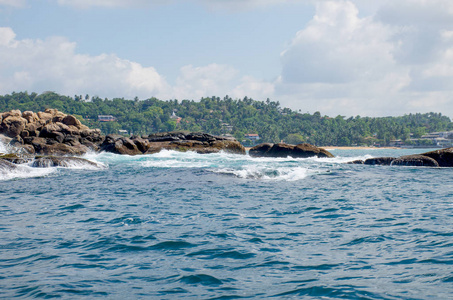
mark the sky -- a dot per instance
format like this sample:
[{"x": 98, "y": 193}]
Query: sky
[{"x": 338, "y": 57}]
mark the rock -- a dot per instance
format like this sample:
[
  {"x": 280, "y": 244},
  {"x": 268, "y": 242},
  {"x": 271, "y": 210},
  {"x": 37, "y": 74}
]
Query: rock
[
  {"x": 142, "y": 144},
  {"x": 44, "y": 117},
  {"x": 415, "y": 160},
  {"x": 14, "y": 113},
  {"x": 383, "y": 161},
  {"x": 30, "y": 116},
  {"x": 6, "y": 166},
  {"x": 63, "y": 149},
  {"x": 118, "y": 144},
  {"x": 54, "y": 161},
  {"x": 444, "y": 157},
  {"x": 356, "y": 162},
  {"x": 16, "y": 159},
  {"x": 71, "y": 120},
  {"x": 12, "y": 125},
  {"x": 285, "y": 150}
]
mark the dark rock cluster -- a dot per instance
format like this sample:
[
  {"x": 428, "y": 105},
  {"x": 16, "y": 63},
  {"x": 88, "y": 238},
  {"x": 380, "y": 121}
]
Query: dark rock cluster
[
  {"x": 437, "y": 158},
  {"x": 54, "y": 133},
  {"x": 285, "y": 150},
  {"x": 178, "y": 141},
  {"x": 50, "y": 132}
]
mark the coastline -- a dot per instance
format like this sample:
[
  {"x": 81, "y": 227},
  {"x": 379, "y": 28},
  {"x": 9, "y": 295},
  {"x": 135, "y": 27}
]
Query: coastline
[
  {"x": 328, "y": 148},
  {"x": 357, "y": 148}
]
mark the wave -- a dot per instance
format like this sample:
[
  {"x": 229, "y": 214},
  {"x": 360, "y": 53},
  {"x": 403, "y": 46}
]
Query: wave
[
  {"x": 268, "y": 173},
  {"x": 24, "y": 171}
]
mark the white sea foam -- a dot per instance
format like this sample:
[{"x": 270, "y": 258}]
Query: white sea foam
[
  {"x": 268, "y": 173},
  {"x": 25, "y": 171}
]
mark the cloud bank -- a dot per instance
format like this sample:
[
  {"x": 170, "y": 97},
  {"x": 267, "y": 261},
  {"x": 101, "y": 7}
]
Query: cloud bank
[
  {"x": 53, "y": 64},
  {"x": 386, "y": 64},
  {"x": 395, "y": 59}
]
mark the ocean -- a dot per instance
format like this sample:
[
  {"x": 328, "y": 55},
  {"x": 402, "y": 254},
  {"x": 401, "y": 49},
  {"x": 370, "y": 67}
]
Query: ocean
[{"x": 220, "y": 226}]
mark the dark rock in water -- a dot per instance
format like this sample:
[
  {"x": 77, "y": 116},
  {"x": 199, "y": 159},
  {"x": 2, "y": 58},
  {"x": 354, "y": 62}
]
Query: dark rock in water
[
  {"x": 17, "y": 159},
  {"x": 188, "y": 141},
  {"x": 415, "y": 160},
  {"x": 119, "y": 144},
  {"x": 444, "y": 157},
  {"x": 285, "y": 150},
  {"x": 55, "y": 161},
  {"x": 356, "y": 162},
  {"x": 6, "y": 166},
  {"x": 50, "y": 132},
  {"x": 384, "y": 161}
]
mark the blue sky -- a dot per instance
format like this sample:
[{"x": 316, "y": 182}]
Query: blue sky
[{"x": 357, "y": 57}]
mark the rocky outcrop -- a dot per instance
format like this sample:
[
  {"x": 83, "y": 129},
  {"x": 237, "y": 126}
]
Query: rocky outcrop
[
  {"x": 384, "y": 161},
  {"x": 65, "y": 162},
  {"x": 8, "y": 161},
  {"x": 54, "y": 133},
  {"x": 285, "y": 150},
  {"x": 444, "y": 157},
  {"x": 17, "y": 159},
  {"x": 415, "y": 160},
  {"x": 50, "y": 132},
  {"x": 6, "y": 166},
  {"x": 178, "y": 141},
  {"x": 437, "y": 158}
]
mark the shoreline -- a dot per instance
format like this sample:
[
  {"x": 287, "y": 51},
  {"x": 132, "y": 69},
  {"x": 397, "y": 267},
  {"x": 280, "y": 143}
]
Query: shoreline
[
  {"x": 348, "y": 148},
  {"x": 357, "y": 148}
]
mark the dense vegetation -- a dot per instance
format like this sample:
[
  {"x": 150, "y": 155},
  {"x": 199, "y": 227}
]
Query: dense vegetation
[{"x": 231, "y": 116}]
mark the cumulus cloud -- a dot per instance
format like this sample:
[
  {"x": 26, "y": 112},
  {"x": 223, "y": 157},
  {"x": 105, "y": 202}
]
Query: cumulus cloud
[
  {"x": 53, "y": 64},
  {"x": 217, "y": 80},
  {"x": 346, "y": 63},
  {"x": 104, "y": 3},
  {"x": 14, "y": 3},
  {"x": 215, "y": 4}
]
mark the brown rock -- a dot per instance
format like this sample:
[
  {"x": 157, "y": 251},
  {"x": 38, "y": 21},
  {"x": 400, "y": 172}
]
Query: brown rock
[
  {"x": 118, "y": 144},
  {"x": 383, "y": 161},
  {"x": 30, "y": 116},
  {"x": 55, "y": 161},
  {"x": 415, "y": 160},
  {"x": 444, "y": 157},
  {"x": 44, "y": 117},
  {"x": 12, "y": 126},
  {"x": 71, "y": 120},
  {"x": 285, "y": 150}
]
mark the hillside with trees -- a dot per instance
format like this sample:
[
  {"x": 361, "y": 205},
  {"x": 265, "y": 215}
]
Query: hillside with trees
[{"x": 237, "y": 117}]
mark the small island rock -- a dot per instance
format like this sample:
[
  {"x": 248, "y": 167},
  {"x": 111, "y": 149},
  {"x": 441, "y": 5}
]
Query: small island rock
[{"x": 285, "y": 150}]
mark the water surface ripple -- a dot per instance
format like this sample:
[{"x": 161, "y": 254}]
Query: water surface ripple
[{"x": 182, "y": 225}]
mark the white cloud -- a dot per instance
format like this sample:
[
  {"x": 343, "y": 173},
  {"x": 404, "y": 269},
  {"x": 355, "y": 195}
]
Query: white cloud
[
  {"x": 14, "y": 3},
  {"x": 215, "y": 4},
  {"x": 245, "y": 4},
  {"x": 53, "y": 64},
  {"x": 196, "y": 82},
  {"x": 218, "y": 80},
  {"x": 345, "y": 63},
  {"x": 103, "y": 3}
]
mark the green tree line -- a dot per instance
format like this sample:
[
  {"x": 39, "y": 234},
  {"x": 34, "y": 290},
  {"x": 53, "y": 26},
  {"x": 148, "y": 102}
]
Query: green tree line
[{"x": 237, "y": 117}]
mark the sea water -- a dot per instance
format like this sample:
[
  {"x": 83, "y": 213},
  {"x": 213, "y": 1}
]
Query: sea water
[{"x": 221, "y": 226}]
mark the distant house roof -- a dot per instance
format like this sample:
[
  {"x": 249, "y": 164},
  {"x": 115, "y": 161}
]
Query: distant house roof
[
  {"x": 106, "y": 118},
  {"x": 252, "y": 134}
]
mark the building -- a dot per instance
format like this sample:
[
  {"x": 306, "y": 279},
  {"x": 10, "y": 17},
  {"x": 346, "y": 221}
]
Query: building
[
  {"x": 254, "y": 137},
  {"x": 175, "y": 117},
  {"x": 106, "y": 118}
]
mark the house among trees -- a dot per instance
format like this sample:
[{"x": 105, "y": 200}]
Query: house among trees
[
  {"x": 106, "y": 118},
  {"x": 175, "y": 117},
  {"x": 254, "y": 137}
]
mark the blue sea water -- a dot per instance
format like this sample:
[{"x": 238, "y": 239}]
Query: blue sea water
[{"x": 219, "y": 226}]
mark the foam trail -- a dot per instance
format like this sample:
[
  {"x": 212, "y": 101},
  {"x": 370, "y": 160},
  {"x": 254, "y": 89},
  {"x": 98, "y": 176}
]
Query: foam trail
[{"x": 24, "y": 171}]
